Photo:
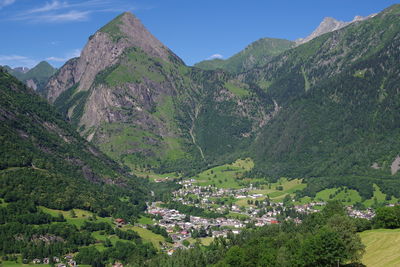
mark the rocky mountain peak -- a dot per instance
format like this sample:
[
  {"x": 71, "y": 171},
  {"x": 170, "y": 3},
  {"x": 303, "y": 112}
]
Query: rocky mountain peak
[
  {"x": 330, "y": 24},
  {"x": 104, "y": 49},
  {"x": 127, "y": 27}
]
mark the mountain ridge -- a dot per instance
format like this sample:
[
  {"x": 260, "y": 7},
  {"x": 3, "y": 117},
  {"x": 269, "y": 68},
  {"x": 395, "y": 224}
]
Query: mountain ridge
[{"x": 330, "y": 24}]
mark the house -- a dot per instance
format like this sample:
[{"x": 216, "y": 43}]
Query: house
[
  {"x": 56, "y": 259},
  {"x": 46, "y": 261},
  {"x": 118, "y": 264},
  {"x": 120, "y": 222},
  {"x": 36, "y": 261},
  {"x": 72, "y": 263},
  {"x": 68, "y": 257}
]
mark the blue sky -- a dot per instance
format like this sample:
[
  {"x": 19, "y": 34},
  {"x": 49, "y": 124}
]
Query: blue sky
[{"x": 56, "y": 30}]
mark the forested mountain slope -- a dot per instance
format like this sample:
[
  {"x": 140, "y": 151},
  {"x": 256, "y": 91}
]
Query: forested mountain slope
[
  {"x": 339, "y": 98},
  {"x": 44, "y": 161}
]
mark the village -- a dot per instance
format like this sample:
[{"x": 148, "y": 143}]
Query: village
[{"x": 259, "y": 211}]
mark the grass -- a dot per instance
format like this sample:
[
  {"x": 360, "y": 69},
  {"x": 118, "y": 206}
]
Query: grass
[
  {"x": 360, "y": 73},
  {"x": 148, "y": 236},
  {"x": 145, "y": 220},
  {"x": 206, "y": 241},
  {"x": 154, "y": 176},
  {"x": 81, "y": 216},
  {"x": 235, "y": 215},
  {"x": 225, "y": 176},
  {"x": 275, "y": 195},
  {"x": 346, "y": 196},
  {"x": 3, "y": 203},
  {"x": 236, "y": 90},
  {"x": 379, "y": 196},
  {"x": 382, "y": 247}
]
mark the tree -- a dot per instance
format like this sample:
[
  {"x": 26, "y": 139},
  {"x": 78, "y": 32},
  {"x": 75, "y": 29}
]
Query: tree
[
  {"x": 324, "y": 249},
  {"x": 387, "y": 217},
  {"x": 72, "y": 213},
  {"x": 107, "y": 243}
]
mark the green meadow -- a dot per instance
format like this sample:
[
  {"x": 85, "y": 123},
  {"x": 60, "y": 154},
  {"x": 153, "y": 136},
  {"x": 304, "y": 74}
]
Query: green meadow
[{"x": 382, "y": 247}]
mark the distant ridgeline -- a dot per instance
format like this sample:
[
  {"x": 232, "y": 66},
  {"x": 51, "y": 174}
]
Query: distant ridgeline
[{"x": 35, "y": 78}]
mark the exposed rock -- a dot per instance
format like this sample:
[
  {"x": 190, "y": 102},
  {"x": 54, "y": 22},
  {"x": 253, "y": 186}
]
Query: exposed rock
[
  {"x": 395, "y": 165},
  {"x": 103, "y": 51},
  {"x": 329, "y": 25},
  {"x": 31, "y": 84},
  {"x": 375, "y": 166}
]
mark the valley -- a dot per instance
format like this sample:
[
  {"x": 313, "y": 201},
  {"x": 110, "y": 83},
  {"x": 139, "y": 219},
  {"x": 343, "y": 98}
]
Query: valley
[{"x": 284, "y": 154}]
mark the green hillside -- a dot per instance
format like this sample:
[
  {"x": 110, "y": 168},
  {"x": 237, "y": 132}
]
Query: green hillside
[
  {"x": 38, "y": 75},
  {"x": 43, "y": 160},
  {"x": 255, "y": 55},
  {"x": 338, "y": 117}
]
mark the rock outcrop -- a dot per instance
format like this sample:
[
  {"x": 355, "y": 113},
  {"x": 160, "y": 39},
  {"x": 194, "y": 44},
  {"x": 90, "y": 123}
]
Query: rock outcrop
[{"x": 329, "y": 25}]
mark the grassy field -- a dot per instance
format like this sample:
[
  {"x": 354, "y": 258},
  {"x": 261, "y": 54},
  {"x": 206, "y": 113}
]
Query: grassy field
[
  {"x": 346, "y": 196},
  {"x": 273, "y": 192},
  {"x": 382, "y": 248},
  {"x": 206, "y": 241},
  {"x": 225, "y": 176},
  {"x": 80, "y": 216},
  {"x": 154, "y": 176},
  {"x": 379, "y": 196},
  {"x": 145, "y": 220},
  {"x": 147, "y": 235}
]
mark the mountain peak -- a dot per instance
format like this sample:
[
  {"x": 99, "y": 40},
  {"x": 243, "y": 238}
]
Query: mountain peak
[
  {"x": 330, "y": 24},
  {"x": 104, "y": 49},
  {"x": 128, "y": 30}
]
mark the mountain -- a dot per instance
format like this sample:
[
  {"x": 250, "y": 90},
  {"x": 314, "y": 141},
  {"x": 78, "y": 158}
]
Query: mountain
[
  {"x": 45, "y": 162},
  {"x": 35, "y": 78},
  {"x": 254, "y": 55},
  {"x": 329, "y": 25},
  {"x": 142, "y": 106},
  {"x": 339, "y": 99},
  {"x": 324, "y": 110}
]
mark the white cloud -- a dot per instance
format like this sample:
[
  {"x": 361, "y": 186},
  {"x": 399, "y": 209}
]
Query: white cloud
[
  {"x": 4, "y": 3},
  {"x": 17, "y": 61},
  {"x": 63, "y": 17},
  {"x": 69, "y": 11},
  {"x": 72, "y": 54},
  {"x": 55, "y": 5},
  {"x": 215, "y": 56}
]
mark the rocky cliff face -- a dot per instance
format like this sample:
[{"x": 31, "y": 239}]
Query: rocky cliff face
[{"x": 103, "y": 50}]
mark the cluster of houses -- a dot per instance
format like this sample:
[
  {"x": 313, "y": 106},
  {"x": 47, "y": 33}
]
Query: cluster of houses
[
  {"x": 179, "y": 227},
  {"x": 364, "y": 214},
  {"x": 69, "y": 262}
]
